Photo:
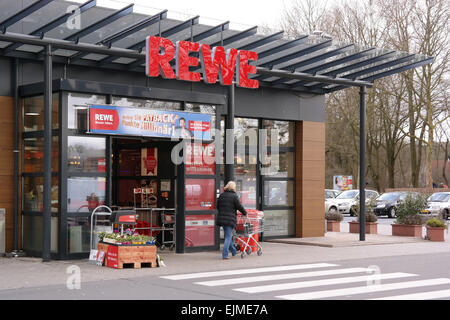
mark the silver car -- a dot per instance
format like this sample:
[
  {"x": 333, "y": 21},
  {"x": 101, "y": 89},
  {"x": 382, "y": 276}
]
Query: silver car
[
  {"x": 438, "y": 203},
  {"x": 346, "y": 201}
]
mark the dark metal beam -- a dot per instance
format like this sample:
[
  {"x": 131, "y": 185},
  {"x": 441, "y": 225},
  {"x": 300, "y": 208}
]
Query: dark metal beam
[
  {"x": 263, "y": 41},
  {"x": 210, "y": 32},
  {"x": 388, "y": 73},
  {"x": 312, "y": 60},
  {"x": 101, "y": 23},
  {"x": 334, "y": 73},
  {"x": 68, "y": 45},
  {"x": 47, "y": 189},
  {"x": 283, "y": 47},
  {"x": 165, "y": 34},
  {"x": 309, "y": 77},
  {"x": 236, "y": 37},
  {"x": 333, "y": 63},
  {"x": 23, "y": 14},
  {"x": 52, "y": 24},
  {"x": 362, "y": 163},
  {"x": 125, "y": 33},
  {"x": 16, "y": 201},
  {"x": 297, "y": 54}
]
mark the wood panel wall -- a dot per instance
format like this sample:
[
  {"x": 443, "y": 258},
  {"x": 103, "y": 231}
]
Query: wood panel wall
[
  {"x": 310, "y": 179},
  {"x": 7, "y": 165}
]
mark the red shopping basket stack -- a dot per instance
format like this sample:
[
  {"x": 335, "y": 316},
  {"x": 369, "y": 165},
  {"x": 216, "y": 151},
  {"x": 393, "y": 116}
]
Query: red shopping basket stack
[
  {"x": 255, "y": 217},
  {"x": 143, "y": 228}
]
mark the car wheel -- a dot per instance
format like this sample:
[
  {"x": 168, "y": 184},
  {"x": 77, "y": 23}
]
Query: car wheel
[
  {"x": 332, "y": 210},
  {"x": 352, "y": 212},
  {"x": 445, "y": 215},
  {"x": 392, "y": 213}
]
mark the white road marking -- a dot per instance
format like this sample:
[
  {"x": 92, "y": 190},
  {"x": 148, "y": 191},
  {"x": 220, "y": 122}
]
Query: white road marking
[
  {"x": 231, "y": 281},
  {"x": 364, "y": 289},
  {"x": 247, "y": 271},
  {"x": 323, "y": 282},
  {"x": 419, "y": 296}
]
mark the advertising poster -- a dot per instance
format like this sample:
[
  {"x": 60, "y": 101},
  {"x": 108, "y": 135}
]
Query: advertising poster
[
  {"x": 149, "y": 123},
  {"x": 149, "y": 161},
  {"x": 342, "y": 183},
  {"x": 200, "y": 159},
  {"x": 199, "y": 230},
  {"x": 200, "y": 194}
]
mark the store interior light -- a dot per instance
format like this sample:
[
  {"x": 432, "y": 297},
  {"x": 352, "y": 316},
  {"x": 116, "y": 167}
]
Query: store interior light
[{"x": 32, "y": 113}]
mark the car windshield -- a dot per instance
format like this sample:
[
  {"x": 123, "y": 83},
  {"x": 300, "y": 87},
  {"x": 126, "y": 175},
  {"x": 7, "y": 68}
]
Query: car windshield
[
  {"x": 439, "y": 197},
  {"x": 348, "y": 194},
  {"x": 388, "y": 196}
]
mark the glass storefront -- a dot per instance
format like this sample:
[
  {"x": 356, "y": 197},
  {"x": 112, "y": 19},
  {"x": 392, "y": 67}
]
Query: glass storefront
[{"x": 266, "y": 186}]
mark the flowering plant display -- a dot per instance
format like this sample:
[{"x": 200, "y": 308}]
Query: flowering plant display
[{"x": 129, "y": 237}]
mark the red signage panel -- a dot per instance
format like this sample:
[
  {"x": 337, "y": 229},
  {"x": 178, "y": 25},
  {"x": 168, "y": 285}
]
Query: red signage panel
[
  {"x": 200, "y": 194},
  {"x": 199, "y": 230},
  {"x": 200, "y": 159}
]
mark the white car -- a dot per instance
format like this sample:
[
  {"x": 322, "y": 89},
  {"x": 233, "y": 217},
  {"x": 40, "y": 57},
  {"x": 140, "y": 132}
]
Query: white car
[
  {"x": 438, "y": 203},
  {"x": 345, "y": 202},
  {"x": 330, "y": 194}
]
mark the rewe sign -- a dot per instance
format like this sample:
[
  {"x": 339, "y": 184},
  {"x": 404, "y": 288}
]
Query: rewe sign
[{"x": 215, "y": 62}]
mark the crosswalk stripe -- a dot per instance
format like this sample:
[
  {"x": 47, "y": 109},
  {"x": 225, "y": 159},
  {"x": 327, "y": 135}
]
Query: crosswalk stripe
[
  {"x": 231, "y": 281},
  {"x": 323, "y": 282},
  {"x": 247, "y": 271},
  {"x": 419, "y": 296},
  {"x": 364, "y": 289}
]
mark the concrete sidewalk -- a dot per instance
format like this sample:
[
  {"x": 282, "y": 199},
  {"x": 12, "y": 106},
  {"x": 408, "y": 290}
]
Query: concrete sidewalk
[{"x": 32, "y": 272}]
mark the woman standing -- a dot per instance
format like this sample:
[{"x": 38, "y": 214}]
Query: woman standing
[{"x": 227, "y": 204}]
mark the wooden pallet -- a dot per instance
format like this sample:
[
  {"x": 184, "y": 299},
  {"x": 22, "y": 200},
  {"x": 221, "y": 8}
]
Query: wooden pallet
[{"x": 116, "y": 256}]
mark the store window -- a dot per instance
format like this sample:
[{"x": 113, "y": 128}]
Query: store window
[
  {"x": 77, "y": 108},
  {"x": 32, "y": 234},
  {"x": 279, "y": 193},
  {"x": 84, "y": 194},
  {"x": 33, "y": 189},
  {"x": 86, "y": 154},
  {"x": 279, "y": 165},
  {"x": 34, "y": 154},
  {"x": 279, "y": 223},
  {"x": 79, "y": 233},
  {"x": 286, "y": 132},
  {"x": 246, "y": 131},
  {"x": 33, "y": 113}
]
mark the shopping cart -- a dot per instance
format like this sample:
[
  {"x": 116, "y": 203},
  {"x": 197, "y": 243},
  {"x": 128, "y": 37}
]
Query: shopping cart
[{"x": 248, "y": 229}]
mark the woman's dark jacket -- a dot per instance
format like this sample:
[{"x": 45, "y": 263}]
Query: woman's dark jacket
[{"x": 227, "y": 204}]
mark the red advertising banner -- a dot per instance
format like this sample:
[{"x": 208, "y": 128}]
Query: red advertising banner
[
  {"x": 199, "y": 230},
  {"x": 112, "y": 257},
  {"x": 200, "y": 194},
  {"x": 200, "y": 159},
  {"x": 149, "y": 161}
]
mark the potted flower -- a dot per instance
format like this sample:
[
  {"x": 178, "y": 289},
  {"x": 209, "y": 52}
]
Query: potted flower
[
  {"x": 435, "y": 229},
  {"x": 371, "y": 221},
  {"x": 409, "y": 219},
  {"x": 334, "y": 221}
]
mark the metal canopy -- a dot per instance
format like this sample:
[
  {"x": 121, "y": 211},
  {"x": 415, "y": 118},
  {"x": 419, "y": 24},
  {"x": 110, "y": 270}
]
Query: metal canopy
[{"x": 114, "y": 39}]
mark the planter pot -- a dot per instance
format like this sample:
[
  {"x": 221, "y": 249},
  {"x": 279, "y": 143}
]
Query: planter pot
[
  {"x": 435, "y": 234},
  {"x": 371, "y": 227},
  {"x": 407, "y": 230},
  {"x": 333, "y": 226}
]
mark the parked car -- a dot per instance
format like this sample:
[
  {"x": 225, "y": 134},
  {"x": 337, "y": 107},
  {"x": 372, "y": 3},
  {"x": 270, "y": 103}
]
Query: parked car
[
  {"x": 346, "y": 201},
  {"x": 386, "y": 204},
  {"x": 438, "y": 203},
  {"x": 331, "y": 193}
]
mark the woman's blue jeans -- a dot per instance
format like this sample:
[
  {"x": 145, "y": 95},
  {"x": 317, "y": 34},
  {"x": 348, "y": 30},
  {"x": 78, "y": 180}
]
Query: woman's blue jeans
[{"x": 228, "y": 242}]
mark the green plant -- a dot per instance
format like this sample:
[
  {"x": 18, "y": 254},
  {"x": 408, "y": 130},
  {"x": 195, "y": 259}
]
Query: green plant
[
  {"x": 334, "y": 216},
  {"x": 436, "y": 223},
  {"x": 409, "y": 210},
  {"x": 370, "y": 213}
]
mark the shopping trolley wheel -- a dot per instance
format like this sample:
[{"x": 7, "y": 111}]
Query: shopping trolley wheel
[
  {"x": 171, "y": 247},
  {"x": 162, "y": 247},
  {"x": 249, "y": 251},
  {"x": 243, "y": 255},
  {"x": 259, "y": 252}
]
